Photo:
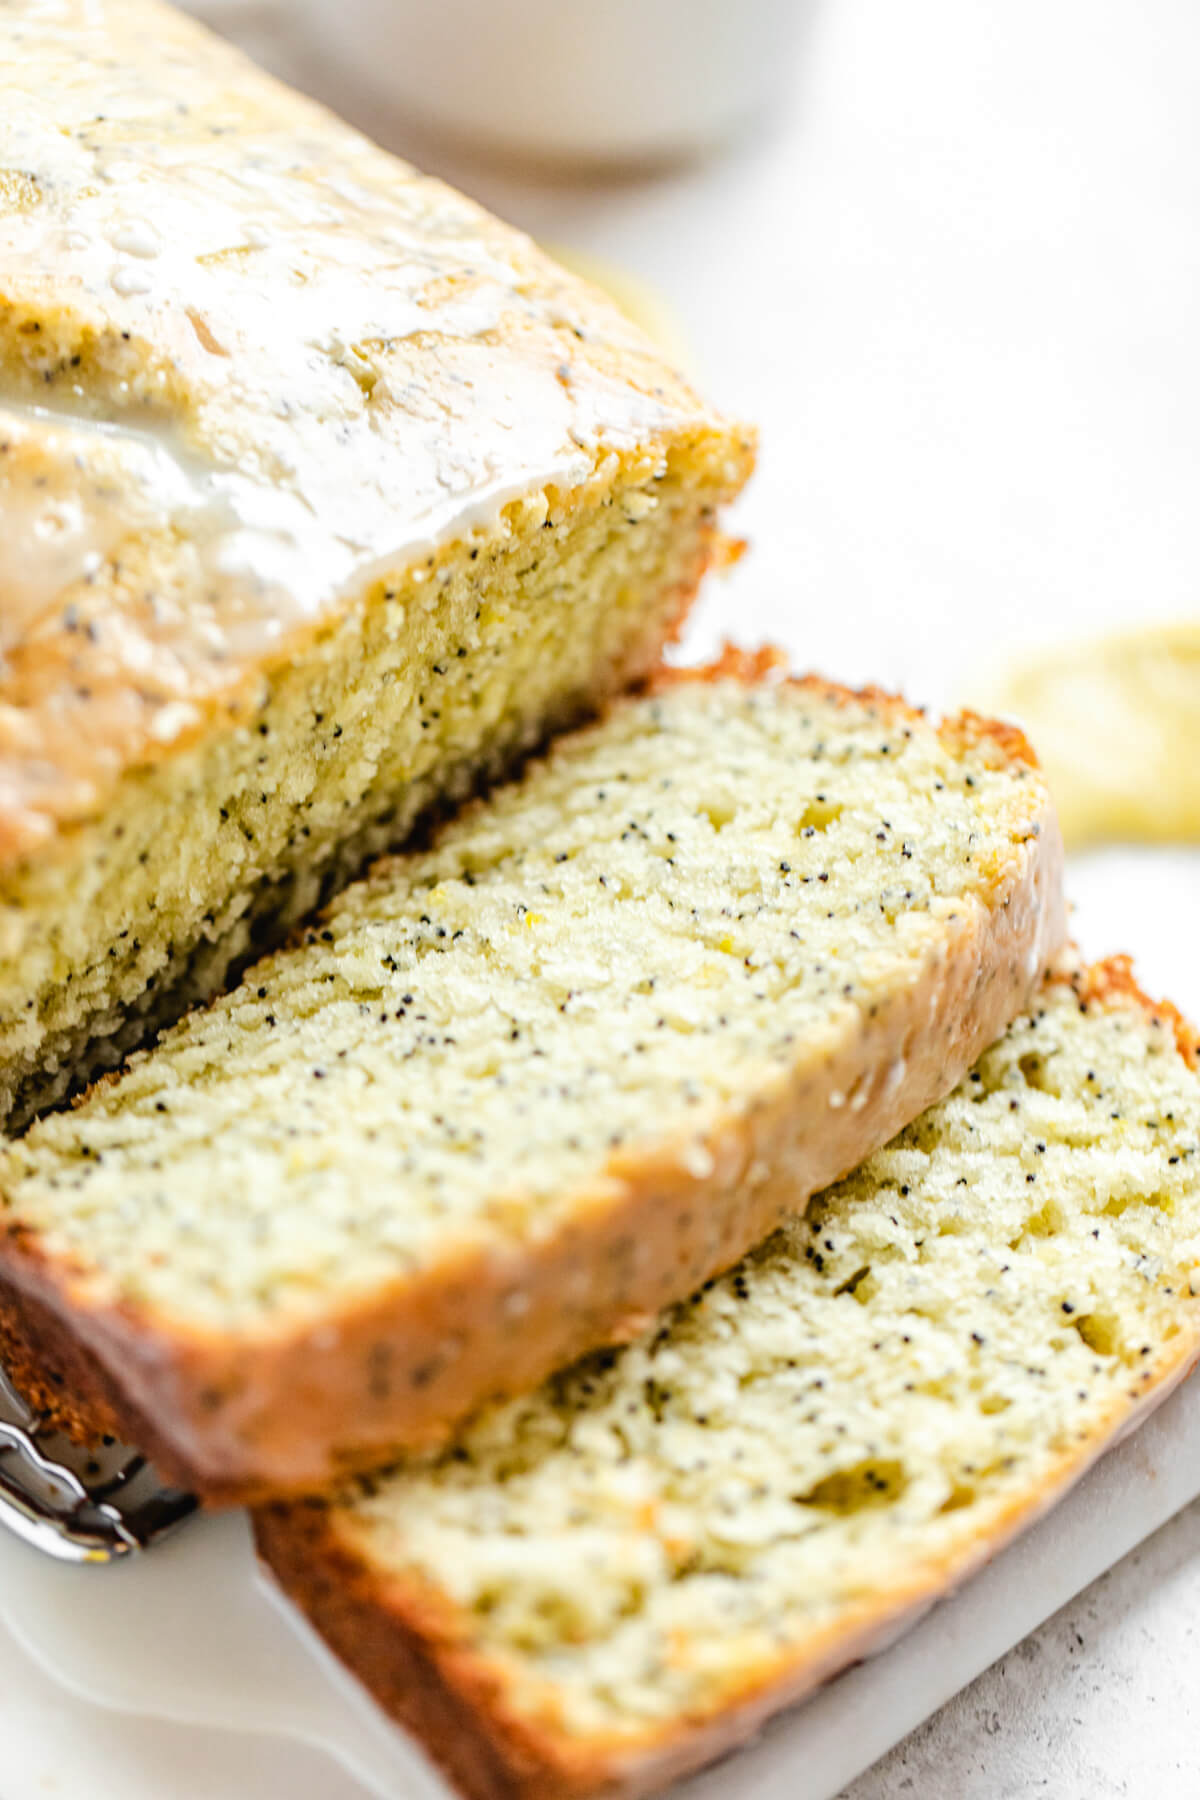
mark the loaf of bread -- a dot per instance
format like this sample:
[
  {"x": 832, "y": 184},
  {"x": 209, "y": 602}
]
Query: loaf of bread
[
  {"x": 520, "y": 1090},
  {"x": 609, "y": 1583},
  {"x": 322, "y": 495}
]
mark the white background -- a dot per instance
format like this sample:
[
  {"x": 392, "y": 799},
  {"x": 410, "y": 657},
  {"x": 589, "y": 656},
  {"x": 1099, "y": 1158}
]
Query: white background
[{"x": 957, "y": 283}]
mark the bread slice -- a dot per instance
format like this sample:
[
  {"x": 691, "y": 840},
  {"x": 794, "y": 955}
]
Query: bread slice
[
  {"x": 608, "y": 1584},
  {"x": 322, "y": 496},
  {"x": 521, "y": 1090}
]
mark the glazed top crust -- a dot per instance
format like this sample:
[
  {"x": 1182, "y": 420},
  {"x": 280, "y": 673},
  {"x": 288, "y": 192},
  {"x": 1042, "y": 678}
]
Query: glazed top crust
[{"x": 249, "y": 365}]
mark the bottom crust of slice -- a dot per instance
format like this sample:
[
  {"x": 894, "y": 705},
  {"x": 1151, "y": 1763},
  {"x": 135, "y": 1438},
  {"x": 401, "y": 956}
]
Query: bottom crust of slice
[{"x": 401, "y": 1644}]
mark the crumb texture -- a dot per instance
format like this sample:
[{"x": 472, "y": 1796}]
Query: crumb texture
[
  {"x": 654, "y": 930},
  {"x": 285, "y": 427},
  {"x": 842, "y": 1419},
  {"x": 435, "y": 683}
]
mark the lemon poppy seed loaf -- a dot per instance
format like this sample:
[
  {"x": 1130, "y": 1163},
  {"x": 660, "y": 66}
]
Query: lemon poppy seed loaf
[
  {"x": 323, "y": 495},
  {"x": 617, "y": 1579},
  {"x": 517, "y": 1091}
]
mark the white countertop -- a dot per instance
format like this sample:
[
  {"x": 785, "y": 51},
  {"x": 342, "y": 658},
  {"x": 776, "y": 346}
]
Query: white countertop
[
  {"x": 1101, "y": 1702},
  {"x": 958, "y": 286}
]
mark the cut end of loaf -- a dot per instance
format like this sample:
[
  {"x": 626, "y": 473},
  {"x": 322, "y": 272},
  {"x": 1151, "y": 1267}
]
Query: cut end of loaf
[
  {"x": 326, "y": 501},
  {"x": 435, "y": 683}
]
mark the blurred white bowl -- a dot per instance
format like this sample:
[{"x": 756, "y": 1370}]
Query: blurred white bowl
[{"x": 578, "y": 81}]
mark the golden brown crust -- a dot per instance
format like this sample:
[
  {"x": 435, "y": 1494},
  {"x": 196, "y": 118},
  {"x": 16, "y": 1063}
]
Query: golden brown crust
[
  {"x": 753, "y": 667},
  {"x": 966, "y": 730},
  {"x": 1112, "y": 981},
  {"x": 973, "y": 728},
  {"x": 53, "y": 1374},
  {"x": 412, "y": 1648},
  {"x": 242, "y": 1419},
  {"x": 408, "y": 1658},
  {"x": 769, "y": 664}
]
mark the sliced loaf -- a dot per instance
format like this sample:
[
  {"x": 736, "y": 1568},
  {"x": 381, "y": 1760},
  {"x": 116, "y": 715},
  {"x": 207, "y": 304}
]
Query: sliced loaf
[
  {"x": 322, "y": 495},
  {"x": 519, "y": 1091},
  {"x": 607, "y": 1584}
]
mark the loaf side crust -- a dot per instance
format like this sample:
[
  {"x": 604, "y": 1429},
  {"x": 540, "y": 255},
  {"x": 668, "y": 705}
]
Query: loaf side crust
[{"x": 254, "y": 1417}]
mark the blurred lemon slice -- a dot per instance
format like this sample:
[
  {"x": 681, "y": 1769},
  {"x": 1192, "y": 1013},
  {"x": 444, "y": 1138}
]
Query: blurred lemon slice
[
  {"x": 1116, "y": 725},
  {"x": 635, "y": 297}
]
